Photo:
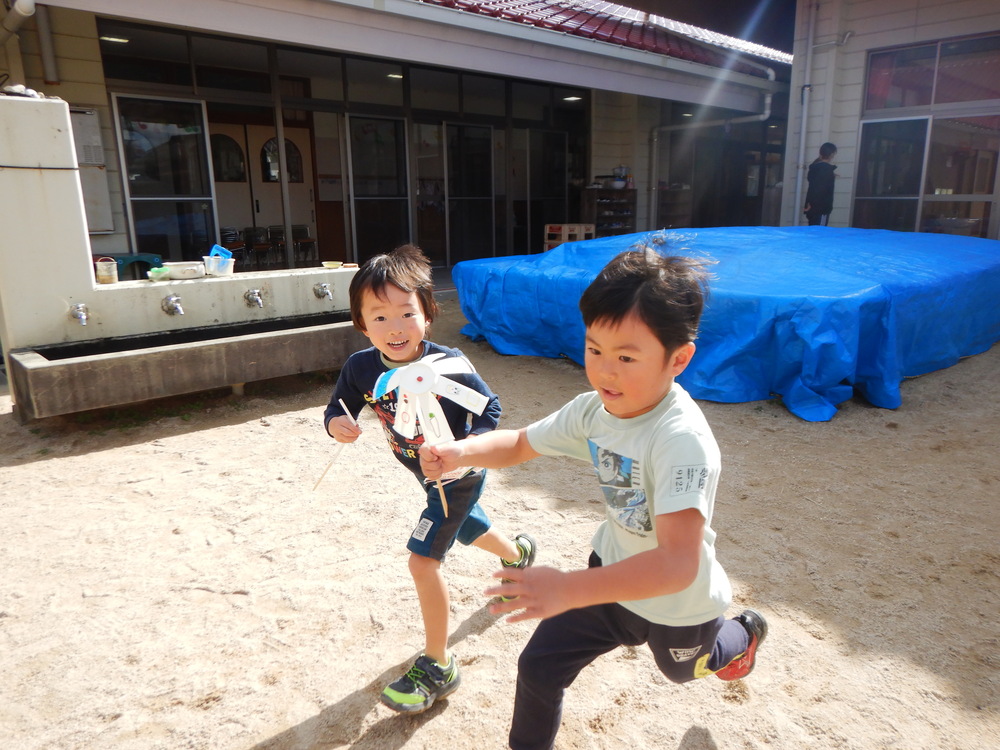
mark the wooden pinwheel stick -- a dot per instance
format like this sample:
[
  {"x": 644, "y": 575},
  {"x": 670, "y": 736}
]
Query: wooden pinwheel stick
[
  {"x": 339, "y": 447},
  {"x": 444, "y": 499},
  {"x": 336, "y": 454},
  {"x": 417, "y": 384}
]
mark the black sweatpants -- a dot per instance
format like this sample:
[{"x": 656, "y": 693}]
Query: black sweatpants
[{"x": 563, "y": 645}]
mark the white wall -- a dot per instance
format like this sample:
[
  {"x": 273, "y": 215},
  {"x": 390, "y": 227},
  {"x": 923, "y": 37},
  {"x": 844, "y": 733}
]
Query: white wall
[
  {"x": 81, "y": 84},
  {"x": 838, "y": 71}
]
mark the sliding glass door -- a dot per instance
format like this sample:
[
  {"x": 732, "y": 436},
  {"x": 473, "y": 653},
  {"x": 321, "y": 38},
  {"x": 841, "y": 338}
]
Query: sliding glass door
[{"x": 379, "y": 195}]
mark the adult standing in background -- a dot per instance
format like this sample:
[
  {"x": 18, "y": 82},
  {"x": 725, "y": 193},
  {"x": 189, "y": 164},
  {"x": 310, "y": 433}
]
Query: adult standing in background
[{"x": 819, "y": 196}]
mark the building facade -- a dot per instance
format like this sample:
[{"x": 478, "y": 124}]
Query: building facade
[
  {"x": 909, "y": 91},
  {"x": 315, "y": 129}
]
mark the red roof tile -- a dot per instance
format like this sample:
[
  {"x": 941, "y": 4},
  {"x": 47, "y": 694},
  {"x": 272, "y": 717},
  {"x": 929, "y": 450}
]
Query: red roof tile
[{"x": 581, "y": 20}]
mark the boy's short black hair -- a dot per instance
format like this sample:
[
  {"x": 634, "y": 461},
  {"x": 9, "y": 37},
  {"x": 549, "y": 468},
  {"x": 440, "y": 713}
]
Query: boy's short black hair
[
  {"x": 827, "y": 150},
  {"x": 406, "y": 268},
  {"x": 667, "y": 293}
]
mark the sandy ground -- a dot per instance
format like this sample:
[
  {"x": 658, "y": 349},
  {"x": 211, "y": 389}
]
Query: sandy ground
[{"x": 170, "y": 579}]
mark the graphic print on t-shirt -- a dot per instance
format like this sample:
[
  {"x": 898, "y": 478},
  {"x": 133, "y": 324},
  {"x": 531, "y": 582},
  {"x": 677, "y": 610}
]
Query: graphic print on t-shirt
[
  {"x": 626, "y": 500},
  {"x": 385, "y": 410}
]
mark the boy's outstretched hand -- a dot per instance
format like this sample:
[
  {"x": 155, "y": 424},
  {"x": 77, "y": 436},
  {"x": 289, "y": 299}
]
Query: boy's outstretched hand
[
  {"x": 437, "y": 460},
  {"x": 343, "y": 429},
  {"x": 541, "y": 592}
]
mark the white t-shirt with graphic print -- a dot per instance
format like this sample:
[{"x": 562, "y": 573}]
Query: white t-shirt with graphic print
[{"x": 659, "y": 462}]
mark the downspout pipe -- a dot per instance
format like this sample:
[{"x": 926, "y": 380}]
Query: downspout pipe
[
  {"x": 654, "y": 134},
  {"x": 19, "y": 12},
  {"x": 800, "y": 165},
  {"x": 50, "y": 69}
]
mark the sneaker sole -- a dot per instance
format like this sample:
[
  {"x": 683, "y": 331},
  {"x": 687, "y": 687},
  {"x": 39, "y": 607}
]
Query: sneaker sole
[{"x": 419, "y": 708}]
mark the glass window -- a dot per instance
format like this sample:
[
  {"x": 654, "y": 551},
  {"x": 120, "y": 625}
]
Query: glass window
[
  {"x": 372, "y": 82},
  {"x": 137, "y": 53},
  {"x": 901, "y": 78},
  {"x": 434, "y": 89},
  {"x": 323, "y": 72},
  {"x": 228, "y": 164},
  {"x": 570, "y": 107},
  {"x": 548, "y": 164},
  {"x": 482, "y": 95},
  {"x": 969, "y": 218},
  {"x": 969, "y": 71},
  {"x": 426, "y": 146},
  {"x": 379, "y": 179},
  {"x": 269, "y": 167},
  {"x": 963, "y": 156},
  {"x": 378, "y": 155},
  {"x": 896, "y": 214},
  {"x": 530, "y": 101},
  {"x": 230, "y": 65},
  {"x": 891, "y": 157},
  {"x": 470, "y": 161},
  {"x": 174, "y": 230},
  {"x": 164, "y": 148}
]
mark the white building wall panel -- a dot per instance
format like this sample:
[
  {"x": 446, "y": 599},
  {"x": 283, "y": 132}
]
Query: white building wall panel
[
  {"x": 838, "y": 77},
  {"x": 81, "y": 84}
]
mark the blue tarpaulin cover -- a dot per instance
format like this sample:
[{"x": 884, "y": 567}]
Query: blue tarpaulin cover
[{"x": 809, "y": 313}]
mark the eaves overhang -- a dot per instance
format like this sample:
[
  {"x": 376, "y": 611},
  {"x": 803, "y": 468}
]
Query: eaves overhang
[{"x": 419, "y": 32}]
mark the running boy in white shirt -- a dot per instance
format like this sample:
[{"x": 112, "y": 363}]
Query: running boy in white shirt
[{"x": 652, "y": 577}]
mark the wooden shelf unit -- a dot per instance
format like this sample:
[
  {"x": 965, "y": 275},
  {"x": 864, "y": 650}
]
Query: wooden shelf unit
[
  {"x": 557, "y": 234},
  {"x": 612, "y": 212}
]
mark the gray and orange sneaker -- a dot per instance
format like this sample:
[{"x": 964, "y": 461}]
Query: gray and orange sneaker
[
  {"x": 526, "y": 544},
  {"x": 742, "y": 665},
  {"x": 424, "y": 683}
]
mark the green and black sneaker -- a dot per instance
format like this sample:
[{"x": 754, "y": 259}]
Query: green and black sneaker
[
  {"x": 527, "y": 545},
  {"x": 424, "y": 683}
]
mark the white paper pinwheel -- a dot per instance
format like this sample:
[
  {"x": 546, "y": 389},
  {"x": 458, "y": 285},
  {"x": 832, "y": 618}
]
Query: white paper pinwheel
[{"x": 418, "y": 383}]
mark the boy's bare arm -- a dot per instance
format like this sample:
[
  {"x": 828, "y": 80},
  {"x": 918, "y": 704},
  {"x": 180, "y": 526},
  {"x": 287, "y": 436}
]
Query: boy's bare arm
[
  {"x": 490, "y": 450},
  {"x": 671, "y": 567}
]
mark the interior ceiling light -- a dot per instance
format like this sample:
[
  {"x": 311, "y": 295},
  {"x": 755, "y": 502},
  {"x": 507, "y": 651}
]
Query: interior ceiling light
[
  {"x": 572, "y": 98},
  {"x": 687, "y": 114},
  {"x": 395, "y": 75},
  {"x": 115, "y": 39}
]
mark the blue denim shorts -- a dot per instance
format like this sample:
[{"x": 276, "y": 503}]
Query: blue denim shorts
[{"x": 434, "y": 534}]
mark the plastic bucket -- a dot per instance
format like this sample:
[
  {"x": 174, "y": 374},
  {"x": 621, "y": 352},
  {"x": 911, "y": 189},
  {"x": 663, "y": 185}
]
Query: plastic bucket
[
  {"x": 216, "y": 265},
  {"x": 106, "y": 270}
]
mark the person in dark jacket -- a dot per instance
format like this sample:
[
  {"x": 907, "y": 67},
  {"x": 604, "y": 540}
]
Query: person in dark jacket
[{"x": 819, "y": 196}]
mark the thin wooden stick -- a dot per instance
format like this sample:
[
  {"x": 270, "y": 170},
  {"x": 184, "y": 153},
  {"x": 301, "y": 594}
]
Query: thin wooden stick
[
  {"x": 336, "y": 454},
  {"x": 340, "y": 446},
  {"x": 444, "y": 498}
]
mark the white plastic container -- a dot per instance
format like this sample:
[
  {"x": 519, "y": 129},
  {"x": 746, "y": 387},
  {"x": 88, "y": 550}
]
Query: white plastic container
[
  {"x": 216, "y": 265},
  {"x": 187, "y": 269}
]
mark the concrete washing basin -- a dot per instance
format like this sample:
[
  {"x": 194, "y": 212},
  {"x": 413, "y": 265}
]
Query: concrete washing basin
[
  {"x": 72, "y": 344},
  {"x": 65, "y": 378}
]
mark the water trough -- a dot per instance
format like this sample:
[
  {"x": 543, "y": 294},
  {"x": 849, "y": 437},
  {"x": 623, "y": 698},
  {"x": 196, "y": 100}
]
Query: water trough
[{"x": 71, "y": 344}]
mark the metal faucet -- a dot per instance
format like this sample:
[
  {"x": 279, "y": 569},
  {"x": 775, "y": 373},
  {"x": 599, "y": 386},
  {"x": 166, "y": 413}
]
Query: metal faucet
[
  {"x": 253, "y": 297},
  {"x": 79, "y": 311},
  {"x": 172, "y": 305},
  {"x": 323, "y": 290}
]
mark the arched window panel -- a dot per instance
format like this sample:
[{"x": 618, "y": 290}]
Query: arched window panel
[
  {"x": 228, "y": 163},
  {"x": 269, "y": 166}
]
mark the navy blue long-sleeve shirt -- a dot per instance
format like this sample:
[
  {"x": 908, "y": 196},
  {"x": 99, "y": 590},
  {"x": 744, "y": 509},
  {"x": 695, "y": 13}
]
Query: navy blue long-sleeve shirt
[{"x": 356, "y": 384}]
